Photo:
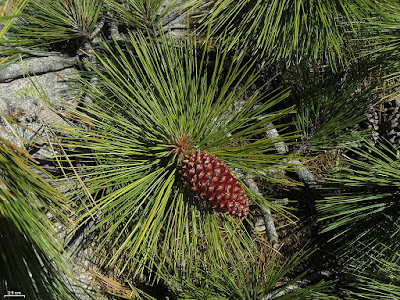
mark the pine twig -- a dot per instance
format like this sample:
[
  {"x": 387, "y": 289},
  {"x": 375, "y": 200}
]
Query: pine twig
[
  {"x": 307, "y": 280},
  {"x": 266, "y": 211},
  {"x": 304, "y": 173},
  {"x": 99, "y": 26},
  {"x": 114, "y": 28}
]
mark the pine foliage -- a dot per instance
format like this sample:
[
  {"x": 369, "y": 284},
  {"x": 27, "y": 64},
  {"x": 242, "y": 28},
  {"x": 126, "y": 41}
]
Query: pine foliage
[
  {"x": 192, "y": 120},
  {"x": 32, "y": 260},
  {"x": 132, "y": 141}
]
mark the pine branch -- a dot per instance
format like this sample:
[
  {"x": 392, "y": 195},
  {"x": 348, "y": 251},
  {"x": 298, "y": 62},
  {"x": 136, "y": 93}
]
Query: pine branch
[
  {"x": 36, "y": 66},
  {"x": 305, "y": 281},
  {"x": 114, "y": 28},
  {"x": 304, "y": 173},
  {"x": 273, "y": 134},
  {"x": 266, "y": 211},
  {"x": 99, "y": 26}
]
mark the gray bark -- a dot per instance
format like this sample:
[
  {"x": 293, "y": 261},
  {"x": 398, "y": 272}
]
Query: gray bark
[
  {"x": 36, "y": 66},
  {"x": 307, "y": 280},
  {"x": 266, "y": 211}
]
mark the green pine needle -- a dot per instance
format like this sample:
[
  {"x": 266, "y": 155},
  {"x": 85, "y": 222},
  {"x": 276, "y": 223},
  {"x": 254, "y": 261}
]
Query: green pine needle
[
  {"x": 361, "y": 198},
  {"x": 32, "y": 258},
  {"x": 146, "y": 96},
  {"x": 60, "y": 20},
  {"x": 292, "y": 31}
]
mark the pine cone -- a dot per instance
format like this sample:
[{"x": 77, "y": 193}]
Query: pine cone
[
  {"x": 211, "y": 180},
  {"x": 373, "y": 123},
  {"x": 384, "y": 121},
  {"x": 391, "y": 118}
]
